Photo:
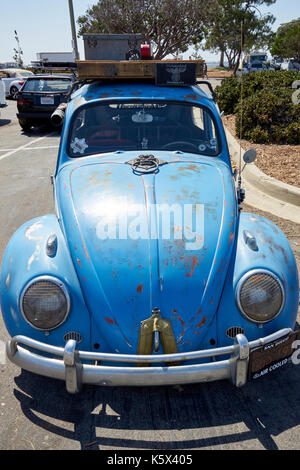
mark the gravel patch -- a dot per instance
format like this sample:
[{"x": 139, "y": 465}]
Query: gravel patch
[{"x": 281, "y": 162}]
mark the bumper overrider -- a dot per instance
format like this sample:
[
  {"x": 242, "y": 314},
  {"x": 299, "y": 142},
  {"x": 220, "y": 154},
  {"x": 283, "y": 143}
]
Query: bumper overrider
[{"x": 69, "y": 366}]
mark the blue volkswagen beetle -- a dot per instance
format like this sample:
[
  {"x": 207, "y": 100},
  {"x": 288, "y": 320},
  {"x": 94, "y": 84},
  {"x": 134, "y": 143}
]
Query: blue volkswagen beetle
[{"x": 149, "y": 273}]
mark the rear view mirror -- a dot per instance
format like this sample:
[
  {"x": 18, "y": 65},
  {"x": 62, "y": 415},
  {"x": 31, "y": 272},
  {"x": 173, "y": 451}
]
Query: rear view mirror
[
  {"x": 141, "y": 117},
  {"x": 250, "y": 156}
]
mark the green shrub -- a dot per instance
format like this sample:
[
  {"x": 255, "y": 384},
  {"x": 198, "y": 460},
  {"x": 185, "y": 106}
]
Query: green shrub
[
  {"x": 289, "y": 134},
  {"x": 228, "y": 95},
  {"x": 269, "y": 114}
]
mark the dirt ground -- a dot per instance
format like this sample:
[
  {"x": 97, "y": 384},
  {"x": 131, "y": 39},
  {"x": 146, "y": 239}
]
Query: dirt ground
[
  {"x": 281, "y": 162},
  {"x": 217, "y": 73}
]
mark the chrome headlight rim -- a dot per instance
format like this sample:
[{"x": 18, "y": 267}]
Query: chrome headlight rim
[
  {"x": 55, "y": 281},
  {"x": 240, "y": 284}
]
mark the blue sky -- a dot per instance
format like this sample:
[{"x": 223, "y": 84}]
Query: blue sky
[{"x": 44, "y": 26}]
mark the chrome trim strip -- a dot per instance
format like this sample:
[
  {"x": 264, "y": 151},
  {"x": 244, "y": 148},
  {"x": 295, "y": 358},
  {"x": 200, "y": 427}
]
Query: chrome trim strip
[
  {"x": 51, "y": 245},
  {"x": 98, "y": 356},
  {"x": 73, "y": 367},
  {"x": 53, "y": 181},
  {"x": 74, "y": 373}
]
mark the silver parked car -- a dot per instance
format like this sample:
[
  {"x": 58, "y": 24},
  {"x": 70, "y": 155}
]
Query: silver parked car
[
  {"x": 257, "y": 67},
  {"x": 292, "y": 65},
  {"x": 15, "y": 79}
]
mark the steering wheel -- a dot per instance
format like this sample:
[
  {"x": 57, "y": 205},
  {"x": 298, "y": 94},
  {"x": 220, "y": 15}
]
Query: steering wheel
[{"x": 180, "y": 142}]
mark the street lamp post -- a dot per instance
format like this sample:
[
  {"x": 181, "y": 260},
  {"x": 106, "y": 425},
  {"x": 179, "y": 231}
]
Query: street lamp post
[{"x": 74, "y": 38}]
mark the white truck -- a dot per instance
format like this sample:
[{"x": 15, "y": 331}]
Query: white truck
[
  {"x": 47, "y": 61},
  {"x": 258, "y": 57},
  {"x": 55, "y": 57}
]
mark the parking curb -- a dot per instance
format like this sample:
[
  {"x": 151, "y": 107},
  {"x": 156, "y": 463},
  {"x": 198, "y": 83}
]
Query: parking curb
[{"x": 264, "y": 183}]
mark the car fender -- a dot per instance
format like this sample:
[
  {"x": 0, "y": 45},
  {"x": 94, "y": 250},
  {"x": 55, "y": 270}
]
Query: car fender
[
  {"x": 25, "y": 259},
  {"x": 16, "y": 84},
  {"x": 273, "y": 253}
]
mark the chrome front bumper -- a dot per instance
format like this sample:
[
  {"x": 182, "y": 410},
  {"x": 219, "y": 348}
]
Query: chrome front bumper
[{"x": 69, "y": 367}]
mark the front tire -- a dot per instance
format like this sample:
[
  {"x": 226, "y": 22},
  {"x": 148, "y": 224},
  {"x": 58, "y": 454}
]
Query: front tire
[{"x": 14, "y": 92}]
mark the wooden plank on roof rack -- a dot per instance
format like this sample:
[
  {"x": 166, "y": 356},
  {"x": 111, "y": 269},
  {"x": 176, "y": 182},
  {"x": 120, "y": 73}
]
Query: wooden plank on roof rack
[{"x": 130, "y": 69}]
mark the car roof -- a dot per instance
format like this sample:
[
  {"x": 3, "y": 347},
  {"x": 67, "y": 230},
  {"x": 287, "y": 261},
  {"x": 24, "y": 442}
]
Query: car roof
[
  {"x": 15, "y": 70},
  {"x": 70, "y": 77},
  {"x": 120, "y": 90}
]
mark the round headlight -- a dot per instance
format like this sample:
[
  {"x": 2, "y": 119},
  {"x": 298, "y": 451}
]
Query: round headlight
[
  {"x": 260, "y": 296},
  {"x": 45, "y": 303}
]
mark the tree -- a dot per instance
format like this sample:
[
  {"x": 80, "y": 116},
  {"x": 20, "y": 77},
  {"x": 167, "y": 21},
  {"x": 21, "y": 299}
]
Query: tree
[
  {"x": 239, "y": 23},
  {"x": 170, "y": 25},
  {"x": 287, "y": 41},
  {"x": 18, "y": 52}
]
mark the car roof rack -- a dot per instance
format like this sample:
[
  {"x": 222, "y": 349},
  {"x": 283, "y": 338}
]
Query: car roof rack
[
  {"x": 174, "y": 73},
  {"x": 165, "y": 72},
  {"x": 209, "y": 85}
]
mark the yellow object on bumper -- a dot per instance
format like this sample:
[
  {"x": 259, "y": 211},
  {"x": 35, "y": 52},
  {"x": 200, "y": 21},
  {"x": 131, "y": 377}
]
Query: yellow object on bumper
[{"x": 150, "y": 326}]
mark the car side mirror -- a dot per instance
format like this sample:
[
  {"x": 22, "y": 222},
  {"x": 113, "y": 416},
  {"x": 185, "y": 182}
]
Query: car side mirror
[{"x": 249, "y": 156}]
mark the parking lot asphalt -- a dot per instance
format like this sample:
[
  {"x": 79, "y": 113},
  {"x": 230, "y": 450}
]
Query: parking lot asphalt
[{"x": 37, "y": 413}]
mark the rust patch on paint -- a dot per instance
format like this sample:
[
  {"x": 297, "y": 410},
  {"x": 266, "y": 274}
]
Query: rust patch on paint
[
  {"x": 195, "y": 261},
  {"x": 190, "y": 167},
  {"x": 85, "y": 250},
  {"x": 139, "y": 288},
  {"x": 199, "y": 311},
  {"x": 202, "y": 322},
  {"x": 191, "y": 97},
  {"x": 114, "y": 322},
  {"x": 78, "y": 262},
  {"x": 130, "y": 345},
  {"x": 180, "y": 320}
]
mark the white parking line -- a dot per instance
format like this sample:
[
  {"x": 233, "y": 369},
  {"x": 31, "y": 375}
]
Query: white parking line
[
  {"x": 42, "y": 148},
  {"x": 32, "y": 148},
  {"x": 23, "y": 147}
]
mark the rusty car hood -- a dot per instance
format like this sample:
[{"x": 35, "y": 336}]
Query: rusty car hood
[{"x": 154, "y": 240}]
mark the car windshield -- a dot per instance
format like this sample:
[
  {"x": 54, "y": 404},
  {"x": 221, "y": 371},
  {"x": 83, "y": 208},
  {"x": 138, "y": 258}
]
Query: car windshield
[
  {"x": 45, "y": 85},
  {"x": 112, "y": 127}
]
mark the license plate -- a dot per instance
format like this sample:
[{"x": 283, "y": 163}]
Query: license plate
[
  {"x": 271, "y": 356},
  {"x": 47, "y": 99}
]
